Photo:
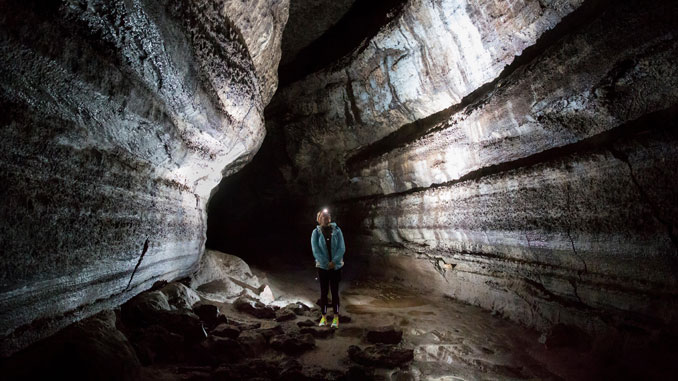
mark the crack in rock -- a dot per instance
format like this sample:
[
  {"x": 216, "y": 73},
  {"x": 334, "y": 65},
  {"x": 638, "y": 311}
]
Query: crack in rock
[
  {"x": 569, "y": 235},
  {"x": 141, "y": 257},
  {"x": 619, "y": 155}
]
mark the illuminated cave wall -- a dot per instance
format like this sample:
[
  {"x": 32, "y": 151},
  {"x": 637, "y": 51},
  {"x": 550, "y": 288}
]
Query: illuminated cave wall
[
  {"x": 118, "y": 119},
  {"x": 517, "y": 155}
]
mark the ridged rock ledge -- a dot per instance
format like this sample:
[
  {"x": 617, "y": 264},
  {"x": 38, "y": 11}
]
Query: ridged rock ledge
[{"x": 119, "y": 118}]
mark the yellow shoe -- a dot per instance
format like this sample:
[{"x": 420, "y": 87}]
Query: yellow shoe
[
  {"x": 335, "y": 322},
  {"x": 323, "y": 321}
]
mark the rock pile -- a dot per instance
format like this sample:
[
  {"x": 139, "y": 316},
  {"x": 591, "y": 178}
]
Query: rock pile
[{"x": 170, "y": 331}]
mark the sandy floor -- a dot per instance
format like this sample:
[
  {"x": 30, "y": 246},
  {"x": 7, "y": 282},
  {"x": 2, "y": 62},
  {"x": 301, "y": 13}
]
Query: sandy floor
[{"x": 451, "y": 340}]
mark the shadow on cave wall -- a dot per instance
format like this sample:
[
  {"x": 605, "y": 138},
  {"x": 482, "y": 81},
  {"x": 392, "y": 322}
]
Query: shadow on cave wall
[
  {"x": 255, "y": 215},
  {"x": 252, "y": 215}
]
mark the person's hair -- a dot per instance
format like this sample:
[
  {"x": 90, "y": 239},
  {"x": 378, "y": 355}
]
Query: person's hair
[{"x": 320, "y": 213}]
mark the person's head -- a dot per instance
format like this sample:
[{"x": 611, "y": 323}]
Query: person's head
[{"x": 323, "y": 217}]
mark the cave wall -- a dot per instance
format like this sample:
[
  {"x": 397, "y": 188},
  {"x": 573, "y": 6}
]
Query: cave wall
[
  {"x": 427, "y": 59},
  {"x": 119, "y": 118},
  {"x": 516, "y": 155}
]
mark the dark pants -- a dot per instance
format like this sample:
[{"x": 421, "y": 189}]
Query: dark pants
[{"x": 329, "y": 279}]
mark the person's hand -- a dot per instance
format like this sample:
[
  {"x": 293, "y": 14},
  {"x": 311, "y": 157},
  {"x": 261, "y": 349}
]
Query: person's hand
[{"x": 331, "y": 266}]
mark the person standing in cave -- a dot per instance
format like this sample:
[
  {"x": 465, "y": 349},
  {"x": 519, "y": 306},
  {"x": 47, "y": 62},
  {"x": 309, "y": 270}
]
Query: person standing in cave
[{"x": 328, "y": 246}]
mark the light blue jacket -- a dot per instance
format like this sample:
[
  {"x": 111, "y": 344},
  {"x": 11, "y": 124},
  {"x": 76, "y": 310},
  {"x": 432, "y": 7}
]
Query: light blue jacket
[{"x": 320, "y": 248}]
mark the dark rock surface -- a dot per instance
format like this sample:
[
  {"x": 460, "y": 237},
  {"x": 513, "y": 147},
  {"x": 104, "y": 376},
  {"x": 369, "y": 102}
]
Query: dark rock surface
[
  {"x": 293, "y": 343},
  {"x": 285, "y": 314},
  {"x": 447, "y": 338},
  {"x": 226, "y": 330},
  {"x": 306, "y": 323},
  {"x": 252, "y": 343},
  {"x": 156, "y": 344},
  {"x": 208, "y": 314},
  {"x": 152, "y": 308},
  {"x": 254, "y": 308},
  {"x": 225, "y": 348},
  {"x": 244, "y": 326},
  {"x": 382, "y": 355},
  {"x": 317, "y": 373},
  {"x": 308, "y": 20},
  {"x": 92, "y": 349},
  {"x": 384, "y": 335},
  {"x": 269, "y": 332},
  {"x": 260, "y": 369},
  {"x": 564, "y": 336},
  {"x": 318, "y": 332}
]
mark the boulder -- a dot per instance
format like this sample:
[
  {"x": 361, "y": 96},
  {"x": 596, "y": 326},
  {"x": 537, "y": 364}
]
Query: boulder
[
  {"x": 316, "y": 373},
  {"x": 306, "y": 323},
  {"x": 318, "y": 332},
  {"x": 298, "y": 308},
  {"x": 254, "y": 369},
  {"x": 254, "y": 308},
  {"x": 153, "y": 308},
  {"x": 285, "y": 314},
  {"x": 144, "y": 309},
  {"x": 294, "y": 343},
  {"x": 221, "y": 347},
  {"x": 218, "y": 266},
  {"x": 245, "y": 326},
  {"x": 184, "y": 323},
  {"x": 252, "y": 343},
  {"x": 226, "y": 330},
  {"x": 270, "y": 331},
  {"x": 381, "y": 355},
  {"x": 385, "y": 335},
  {"x": 156, "y": 344},
  {"x": 92, "y": 349},
  {"x": 179, "y": 296},
  {"x": 359, "y": 372},
  {"x": 207, "y": 313},
  {"x": 290, "y": 370}
]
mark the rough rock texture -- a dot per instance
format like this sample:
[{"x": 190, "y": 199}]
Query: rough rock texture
[
  {"x": 422, "y": 62},
  {"x": 223, "y": 277},
  {"x": 118, "y": 120},
  {"x": 226, "y": 330},
  {"x": 387, "y": 356},
  {"x": 544, "y": 190},
  {"x": 293, "y": 343},
  {"x": 261, "y": 24},
  {"x": 385, "y": 335},
  {"x": 555, "y": 191},
  {"x": 254, "y": 308},
  {"x": 440, "y": 338},
  {"x": 92, "y": 349}
]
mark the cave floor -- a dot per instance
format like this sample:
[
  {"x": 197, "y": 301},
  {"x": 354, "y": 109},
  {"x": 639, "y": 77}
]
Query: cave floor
[{"x": 451, "y": 340}]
